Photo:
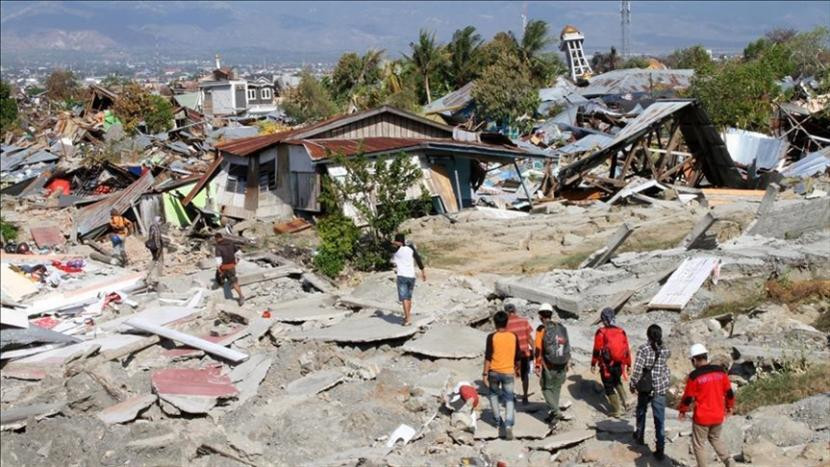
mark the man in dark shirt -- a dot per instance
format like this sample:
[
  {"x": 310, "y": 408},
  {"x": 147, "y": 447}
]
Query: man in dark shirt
[{"x": 226, "y": 261}]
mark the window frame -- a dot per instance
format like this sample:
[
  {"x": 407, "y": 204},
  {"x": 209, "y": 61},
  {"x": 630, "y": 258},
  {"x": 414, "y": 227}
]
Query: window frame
[
  {"x": 251, "y": 93},
  {"x": 262, "y": 93}
]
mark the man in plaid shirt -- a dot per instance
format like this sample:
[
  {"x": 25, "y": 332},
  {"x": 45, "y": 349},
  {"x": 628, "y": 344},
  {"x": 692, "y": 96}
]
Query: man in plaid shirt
[{"x": 651, "y": 359}]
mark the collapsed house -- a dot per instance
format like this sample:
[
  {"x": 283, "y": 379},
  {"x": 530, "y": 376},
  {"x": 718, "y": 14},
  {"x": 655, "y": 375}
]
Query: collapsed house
[{"x": 278, "y": 174}]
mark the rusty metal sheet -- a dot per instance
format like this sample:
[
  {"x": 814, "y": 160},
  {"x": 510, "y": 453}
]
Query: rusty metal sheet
[
  {"x": 97, "y": 215},
  {"x": 193, "y": 382},
  {"x": 47, "y": 235}
]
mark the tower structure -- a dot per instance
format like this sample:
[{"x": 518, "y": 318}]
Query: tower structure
[
  {"x": 571, "y": 43},
  {"x": 625, "y": 24}
]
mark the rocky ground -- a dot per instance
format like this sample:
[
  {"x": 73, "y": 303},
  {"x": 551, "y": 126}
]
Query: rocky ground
[{"x": 337, "y": 374}]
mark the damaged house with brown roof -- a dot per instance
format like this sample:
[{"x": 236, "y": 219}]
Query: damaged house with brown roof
[{"x": 279, "y": 174}]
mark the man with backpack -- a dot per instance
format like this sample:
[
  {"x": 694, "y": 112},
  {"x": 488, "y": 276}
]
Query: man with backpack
[
  {"x": 553, "y": 354},
  {"x": 650, "y": 381},
  {"x": 709, "y": 388},
  {"x": 613, "y": 357}
]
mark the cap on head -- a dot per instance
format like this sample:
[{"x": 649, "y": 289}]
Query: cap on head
[
  {"x": 400, "y": 238},
  {"x": 510, "y": 307},
  {"x": 546, "y": 307},
  {"x": 697, "y": 350}
]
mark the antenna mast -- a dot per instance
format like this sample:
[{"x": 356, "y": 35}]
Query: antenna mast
[{"x": 625, "y": 23}]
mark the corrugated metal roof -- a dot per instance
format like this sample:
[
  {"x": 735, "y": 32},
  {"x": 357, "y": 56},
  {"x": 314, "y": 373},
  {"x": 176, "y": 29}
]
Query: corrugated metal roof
[
  {"x": 248, "y": 146},
  {"x": 636, "y": 80},
  {"x": 320, "y": 149},
  {"x": 748, "y": 147},
  {"x": 590, "y": 142},
  {"x": 97, "y": 215},
  {"x": 814, "y": 163},
  {"x": 453, "y": 101}
]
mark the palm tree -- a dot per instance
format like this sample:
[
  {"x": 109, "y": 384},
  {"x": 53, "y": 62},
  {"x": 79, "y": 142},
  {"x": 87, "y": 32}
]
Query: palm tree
[
  {"x": 464, "y": 57},
  {"x": 534, "y": 40},
  {"x": 426, "y": 57}
]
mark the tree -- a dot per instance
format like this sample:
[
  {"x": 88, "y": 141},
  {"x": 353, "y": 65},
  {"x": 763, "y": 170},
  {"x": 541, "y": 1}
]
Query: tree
[
  {"x": 377, "y": 191},
  {"x": 602, "y": 63},
  {"x": 61, "y": 85},
  {"x": 309, "y": 100},
  {"x": 464, "y": 64},
  {"x": 427, "y": 56},
  {"x": 531, "y": 48},
  {"x": 780, "y": 35},
  {"x": 506, "y": 92},
  {"x": 636, "y": 62},
  {"x": 695, "y": 57},
  {"x": 136, "y": 107},
  {"x": 8, "y": 108}
]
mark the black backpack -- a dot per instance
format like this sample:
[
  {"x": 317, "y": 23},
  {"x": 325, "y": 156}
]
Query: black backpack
[
  {"x": 645, "y": 385},
  {"x": 556, "y": 347}
]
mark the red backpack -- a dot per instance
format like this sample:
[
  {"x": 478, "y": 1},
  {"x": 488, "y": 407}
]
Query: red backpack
[{"x": 615, "y": 348}]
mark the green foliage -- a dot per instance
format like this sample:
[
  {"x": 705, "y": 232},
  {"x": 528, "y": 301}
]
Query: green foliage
[
  {"x": 636, "y": 62},
  {"x": 8, "y": 108},
  {"x": 695, "y": 57},
  {"x": 34, "y": 90},
  {"x": 62, "y": 86},
  {"x": 114, "y": 80},
  {"x": 160, "y": 116},
  {"x": 356, "y": 81},
  {"x": 8, "y": 229},
  {"x": 309, "y": 101},
  {"x": 783, "y": 387},
  {"x": 427, "y": 57},
  {"x": 742, "y": 93},
  {"x": 135, "y": 106},
  {"x": 542, "y": 66},
  {"x": 377, "y": 191},
  {"x": 465, "y": 60},
  {"x": 506, "y": 92},
  {"x": 338, "y": 237}
]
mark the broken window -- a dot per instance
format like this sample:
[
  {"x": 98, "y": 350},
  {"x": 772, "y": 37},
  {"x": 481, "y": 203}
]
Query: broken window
[
  {"x": 267, "y": 178},
  {"x": 237, "y": 179}
]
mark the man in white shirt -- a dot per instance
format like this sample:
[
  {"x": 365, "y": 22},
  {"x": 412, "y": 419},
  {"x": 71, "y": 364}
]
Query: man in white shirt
[{"x": 405, "y": 259}]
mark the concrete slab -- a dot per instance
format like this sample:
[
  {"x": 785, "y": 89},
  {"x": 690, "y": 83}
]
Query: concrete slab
[
  {"x": 315, "y": 308},
  {"x": 448, "y": 341},
  {"x": 527, "y": 426},
  {"x": 615, "y": 426},
  {"x": 126, "y": 411},
  {"x": 315, "y": 382},
  {"x": 562, "y": 440},
  {"x": 249, "y": 375},
  {"x": 372, "y": 329}
]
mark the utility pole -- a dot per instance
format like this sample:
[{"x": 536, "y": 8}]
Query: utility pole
[{"x": 625, "y": 23}]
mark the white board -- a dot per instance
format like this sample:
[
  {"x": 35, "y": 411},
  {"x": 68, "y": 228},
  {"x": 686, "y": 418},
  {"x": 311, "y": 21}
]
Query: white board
[
  {"x": 15, "y": 285},
  {"x": 683, "y": 283}
]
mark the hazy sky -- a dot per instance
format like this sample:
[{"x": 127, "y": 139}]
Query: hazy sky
[{"x": 332, "y": 27}]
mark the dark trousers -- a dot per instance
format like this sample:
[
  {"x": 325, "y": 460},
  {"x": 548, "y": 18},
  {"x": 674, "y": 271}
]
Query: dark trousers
[
  {"x": 658, "y": 409},
  {"x": 612, "y": 379}
]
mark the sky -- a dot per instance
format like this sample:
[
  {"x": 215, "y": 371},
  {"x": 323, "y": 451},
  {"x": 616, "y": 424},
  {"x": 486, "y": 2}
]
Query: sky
[{"x": 330, "y": 28}]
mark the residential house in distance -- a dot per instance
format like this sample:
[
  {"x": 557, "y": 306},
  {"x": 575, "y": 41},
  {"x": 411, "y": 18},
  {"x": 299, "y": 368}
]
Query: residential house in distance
[
  {"x": 260, "y": 97},
  {"x": 221, "y": 94},
  {"x": 281, "y": 174}
]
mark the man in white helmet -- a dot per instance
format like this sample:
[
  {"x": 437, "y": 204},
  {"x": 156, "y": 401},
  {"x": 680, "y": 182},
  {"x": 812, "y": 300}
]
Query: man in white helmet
[{"x": 709, "y": 389}]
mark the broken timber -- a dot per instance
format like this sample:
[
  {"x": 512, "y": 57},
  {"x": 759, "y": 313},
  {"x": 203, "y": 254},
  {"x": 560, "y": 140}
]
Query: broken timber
[
  {"x": 601, "y": 256},
  {"x": 192, "y": 341},
  {"x": 683, "y": 283},
  {"x": 698, "y": 231}
]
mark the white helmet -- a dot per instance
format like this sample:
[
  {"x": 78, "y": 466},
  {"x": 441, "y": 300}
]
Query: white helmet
[
  {"x": 697, "y": 349},
  {"x": 546, "y": 307}
]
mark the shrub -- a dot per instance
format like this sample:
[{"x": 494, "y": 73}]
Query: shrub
[{"x": 8, "y": 229}]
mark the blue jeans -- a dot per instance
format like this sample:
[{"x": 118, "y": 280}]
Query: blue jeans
[
  {"x": 658, "y": 409},
  {"x": 405, "y": 287},
  {"x": 501, "y": 387}
]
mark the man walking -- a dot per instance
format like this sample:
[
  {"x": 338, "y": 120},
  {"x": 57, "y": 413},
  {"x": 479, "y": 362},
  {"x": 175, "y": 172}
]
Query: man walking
[
  {"x": 553, "y": 353},
  {"x": 405, "y": 259},
  {"x": 709, "y": 388},
  {"x": 120, "y": 227},
  {"x": 155, "y": 244},
  {"x": 225, "y": 252},
  {"x": 613, "y": 357},
  {"x": 501, "y": 358},
  {"x": 650, "y": 381},
  {"x": 521, "y": 328}
]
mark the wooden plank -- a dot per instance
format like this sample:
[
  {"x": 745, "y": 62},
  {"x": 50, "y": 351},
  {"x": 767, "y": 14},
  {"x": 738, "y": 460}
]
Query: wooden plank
[
  {"x": 602, "y": 255},
  {"x": 683, "y": 283},
  {"x": 698, "y": 231},
  {"x": 441, "y": 180},
  {"x": 187, "y": 339}
]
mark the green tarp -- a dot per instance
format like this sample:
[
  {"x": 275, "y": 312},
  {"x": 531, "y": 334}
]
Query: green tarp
[{"x": 175, "y": 213}]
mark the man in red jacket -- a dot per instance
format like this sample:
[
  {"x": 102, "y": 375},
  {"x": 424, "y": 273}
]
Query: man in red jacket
[
  {"x": 613, "y": 356},
  {"x": 709, "y": 388}
]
